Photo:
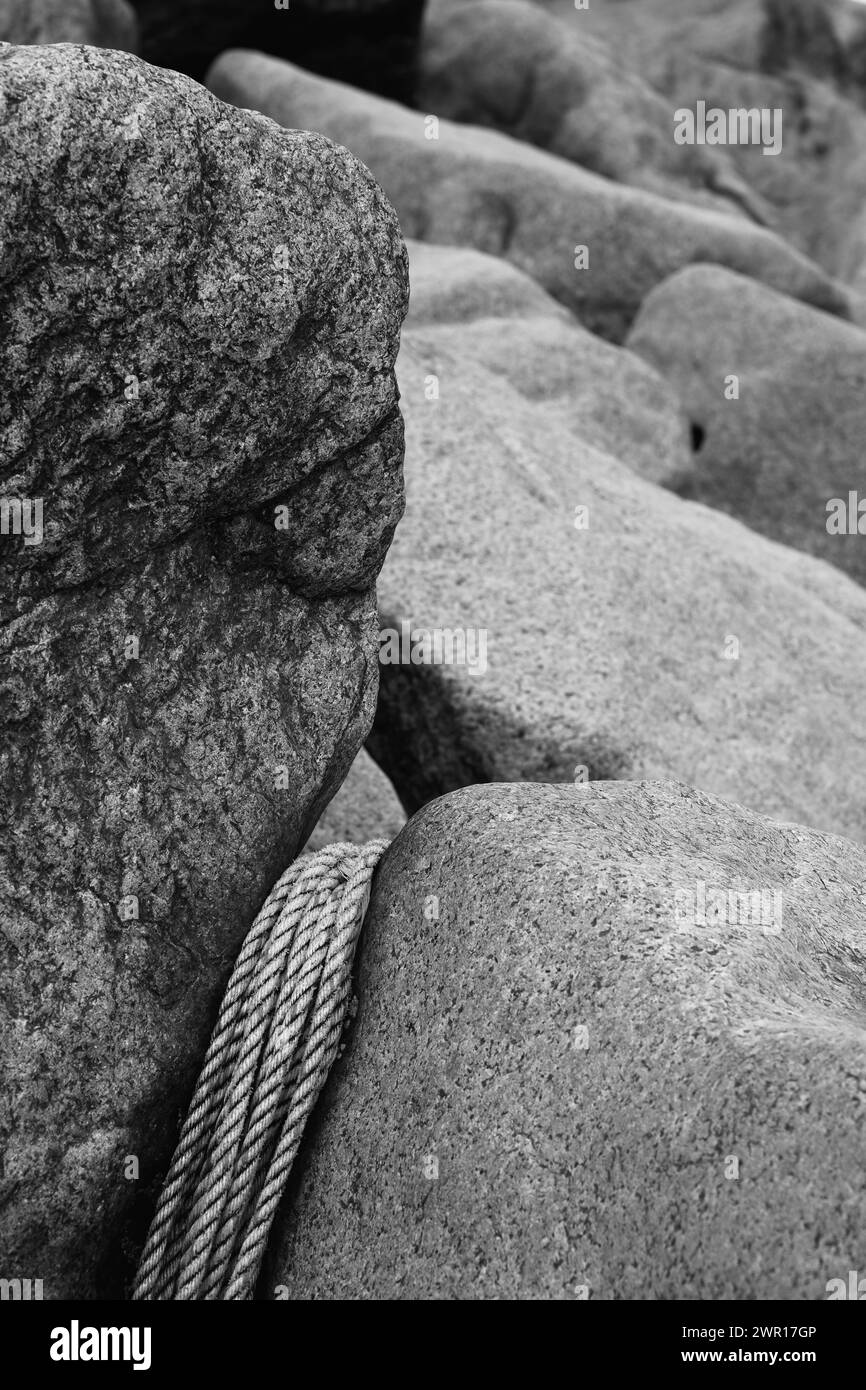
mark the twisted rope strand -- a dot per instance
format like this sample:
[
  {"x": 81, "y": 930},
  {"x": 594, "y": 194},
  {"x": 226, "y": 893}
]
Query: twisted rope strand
[
  {"x": 275, "y": 1040},
  {"x": 298, "y": 990},
  {"x": 161, "y": 1258},
  {"x": 213, "y": 1190}
]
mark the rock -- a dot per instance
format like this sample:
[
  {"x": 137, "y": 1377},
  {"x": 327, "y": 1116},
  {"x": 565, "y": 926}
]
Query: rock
[
  {"x": 101, "y": 23},
  {"x": 793, "y": 440},
  {"x": 200, "y": 320},
  {"x": 803, "y": 33},
  {"x": 366, "y": 807},
  {"x": 639, "y": 637},
  {"x": 508, "y": 65},
  {"x": 370, "y": 43},
  {"x": 791, "y": 55},
  {"x": 608, "y": 396},
  {"x": 814, "y": 192},
  {"x": 809, "y": 36},
  {"x": 855, "y": 27},
  {"x": 474, "y": 187},
  {"x": 557, "y": 1085}
]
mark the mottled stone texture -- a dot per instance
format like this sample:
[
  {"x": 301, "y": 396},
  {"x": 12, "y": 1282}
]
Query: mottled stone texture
[
  {"x": 557, "y": 1087},
  {"x": 630, "y": 634},
  {"x": 794, "y": 438},
  {"x": 370, "y": 43},
  {"x": 507, "y": 324},
  {"x": 103, "y": 23},
  {"x": 198, "y": 319},
  {"x": 464, "y": 186}
]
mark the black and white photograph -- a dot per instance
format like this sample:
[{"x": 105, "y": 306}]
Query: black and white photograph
[{"x": 433, "y": 672}]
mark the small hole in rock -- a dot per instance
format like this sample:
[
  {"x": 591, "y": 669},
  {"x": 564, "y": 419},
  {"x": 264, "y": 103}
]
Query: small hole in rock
[{"x": 699, "y": 434}]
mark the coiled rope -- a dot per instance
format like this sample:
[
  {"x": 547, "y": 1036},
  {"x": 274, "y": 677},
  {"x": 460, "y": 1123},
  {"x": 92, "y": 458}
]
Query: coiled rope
[{"x": 275, "y": 1039}]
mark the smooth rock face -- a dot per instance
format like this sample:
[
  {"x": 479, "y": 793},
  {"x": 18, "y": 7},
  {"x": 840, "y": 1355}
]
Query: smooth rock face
[
  {"x": 793, "y": 441},
  {"x": 607, "y": 396},
  {"x": 561, "y": 1084},
  {"x": 370, "y": 43},
  {"x": 508, "y": 65},
  {"x": 102, "y": 23},
  {"x": 809, "y": 36},
  {"x": 627, "y": 633},
  {"x": 464, "y": 186},
  {"x": 365, "y": 808},
  {"x": 199, "y": 325}
]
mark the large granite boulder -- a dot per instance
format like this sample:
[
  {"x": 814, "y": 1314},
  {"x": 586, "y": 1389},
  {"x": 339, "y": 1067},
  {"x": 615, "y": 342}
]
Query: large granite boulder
[
  {"x": 790, "y": 55},
  {"x": 508, "y": 65},
  {"x": 626, "y": 633},
  {"x": 101, "y": 23},
  {"x": 604, "y": 394},
  {"x": 776, "y": 393},
  {"x": 595, "y": 245},
  {"x": 370, "y": 43},
  {"x": 200, "y": 454},
  {"x": 609, "y": 1044},
  {"x": 814, "y": 191}
]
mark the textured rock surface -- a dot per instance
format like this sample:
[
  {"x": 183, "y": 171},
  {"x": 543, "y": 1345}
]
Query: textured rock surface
[
  {"x": 371, "y": 43},
  {"x": 555, "y": 1083},
  {"x": 103, "y": 23},
  {"x": 184, "y": 685},
  {"x": 794, "y": 439},
  {"x": 788, "y": 54},
  {"x": 507, "y": 64},
  {"x": 365, "y": 808},
  {"x": 815, "y": 190},
  {"x": 607, "y": 396},
  {"x": 806, "y": 39},
  {"x": 474, "y": 187},
  {"x": 641, "y": 637}
]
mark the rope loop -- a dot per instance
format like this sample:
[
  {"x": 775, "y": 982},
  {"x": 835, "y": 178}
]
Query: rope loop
[{"x": 275, "y": 1040}]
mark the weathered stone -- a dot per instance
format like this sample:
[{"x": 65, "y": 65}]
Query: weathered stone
[
  {"x": 508, "y": 65},
  {"x": 465, "y": 186},
  {"x": 814, "y": 191},
  {"x": 365, "y": 808},
  {"x": 790, "y": 441},
  {"x": 370, "y": 43},
  {"x": 855, "y": 26},
  {"x": 199, "y": 315},
  {"x": 609, "y": 397},
  {"x": 810, "y": 36},
  {"x": 102, "y": 23},
  {"x": 790, "y": 55},
  {"x": 561, "y": 1083},
  {"x": 629, "y": 634},
  {"x": 803, "y": 33}
]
